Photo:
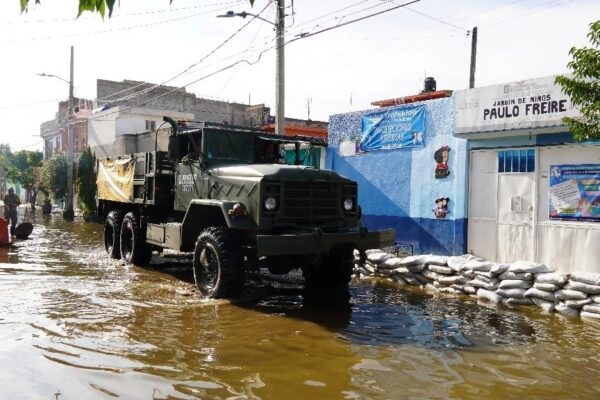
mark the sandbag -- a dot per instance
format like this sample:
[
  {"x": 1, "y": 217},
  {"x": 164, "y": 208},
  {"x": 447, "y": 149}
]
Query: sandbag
[
  {"x": 540, "y": 294},
  {"x": 484, "y": 274},
  {"x": 391, "y": 263},
  {"x": 547, "y": 306},
  {"x": 516, "y": 302},
  {"x": 514, "y": 293},
  {"x": 481, "y": 284},
  {"x": 498, "y": 269},
  {"x": 514, "y": 284},
  {"x": 591, "y": 278},
  {"x": 582, "y": 287},
  {"x": 531, "y": 267},
  {"x": 485, "y": 278},
  {"x": 549, "y": 287},
  {"x": 556, "y": 278},
  {"x": 523, "y": 276},
  {"x": 411, "y": 280},
  {"x": 468, "y": 289},
  {"x": 369, "y": 268},
  {"x": 440, "y": 269},
  {"x": 378, "y": 258},
  {"x": 415, "y": 267},
  {"x": 449, "y": 290},
  {"x": 577, "y": 303},
  {"x": 398, "y": 279},
  {"x": 436, "y": 260},
  {"x": 596, "y": 299},
  {"x": 431, "y": 275},
  {"x": 412, "y": 260},
  {"x": 566, "y": 310},
  {"x": 489, "y": 295},
  {"x": 567, "y": 294},
  {"x": 453, "y": 280},
  {"x": 401, "y": 270},
  {"x": 586, "y": 314},
  {"x": 476, "y": 265},
  {"x": 593, "y": 308},
  {"x": 456, "y": 263}
]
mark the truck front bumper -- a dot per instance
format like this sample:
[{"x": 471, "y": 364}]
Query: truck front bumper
[{"x": 319, "y": 242}]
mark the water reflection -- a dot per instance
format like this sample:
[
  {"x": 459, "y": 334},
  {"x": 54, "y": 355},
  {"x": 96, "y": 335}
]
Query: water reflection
[{"x": 75, "y": 323}]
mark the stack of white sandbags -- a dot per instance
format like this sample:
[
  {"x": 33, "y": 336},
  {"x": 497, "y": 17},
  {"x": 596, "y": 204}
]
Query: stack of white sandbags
[
  {"x": 589, "y": 284},
  {"x": 518, "y": 283}
]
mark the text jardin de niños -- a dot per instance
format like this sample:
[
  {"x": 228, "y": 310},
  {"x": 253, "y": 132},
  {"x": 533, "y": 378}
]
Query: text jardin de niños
[{"x": 534, "y": 105}]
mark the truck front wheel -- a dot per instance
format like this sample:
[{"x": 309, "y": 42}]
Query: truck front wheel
[
  {"x": 112, "y": 233},
  {"x": 218, "y": 263},
  {"x": 330, "y": 270},
  {"x": 134, "y": 249}
]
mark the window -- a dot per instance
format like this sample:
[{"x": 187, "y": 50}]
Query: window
[
  {"x": 514, "y": 161},
  {"x": 150, "y": 125}
]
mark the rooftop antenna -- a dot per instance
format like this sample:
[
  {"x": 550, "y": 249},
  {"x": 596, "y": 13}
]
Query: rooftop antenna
[
  {"x": 308, "y": 103},
  {"x": 350, "y": 101}
]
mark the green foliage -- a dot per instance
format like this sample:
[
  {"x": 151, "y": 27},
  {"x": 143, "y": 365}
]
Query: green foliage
[
  {"x": 86, "y": 183},
  {"x": 584, "y": 87},
  {"x": 99, "y": 6},
  {"x": 21, "y": 167},
  {"x": 55, "y": 176}
]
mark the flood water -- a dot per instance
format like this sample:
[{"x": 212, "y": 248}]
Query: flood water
[{"x": 75, "y": 325}]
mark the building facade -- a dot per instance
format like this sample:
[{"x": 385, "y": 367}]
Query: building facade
[
  {"x": 410, "y": 169},
  {"x": 55, "y": 131},
  {"x": 534, "y": 193}
]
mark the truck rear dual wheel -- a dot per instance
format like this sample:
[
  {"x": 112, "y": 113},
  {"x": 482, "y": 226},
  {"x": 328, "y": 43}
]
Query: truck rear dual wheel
[
  {"x": 134, "y": 249},
  {"x": 112, "y": 233},
  {"x": 218, "y": 263}
]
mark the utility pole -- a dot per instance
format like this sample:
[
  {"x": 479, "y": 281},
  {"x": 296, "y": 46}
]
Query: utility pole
[
  {"x": 68, "y": 212},
  {"x": 473, "y": 58},
  {"x": 280, "y": 73}
]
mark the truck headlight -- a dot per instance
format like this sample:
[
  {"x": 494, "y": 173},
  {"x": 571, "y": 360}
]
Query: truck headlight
[
  {"x": 270, "y": 203},
  {"x": 348, "y": 204}
]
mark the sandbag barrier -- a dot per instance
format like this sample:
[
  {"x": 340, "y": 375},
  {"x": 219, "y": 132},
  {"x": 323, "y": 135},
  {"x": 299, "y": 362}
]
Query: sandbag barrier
[{"x": 519, "y": 283}]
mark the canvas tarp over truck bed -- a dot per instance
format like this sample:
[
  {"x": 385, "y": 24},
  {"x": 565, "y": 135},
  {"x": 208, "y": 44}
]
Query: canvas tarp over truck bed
[{"x": 115, "y": 180}]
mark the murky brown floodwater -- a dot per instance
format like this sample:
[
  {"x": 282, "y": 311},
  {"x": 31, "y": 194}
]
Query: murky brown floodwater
[{"x": 74, "y": 325}]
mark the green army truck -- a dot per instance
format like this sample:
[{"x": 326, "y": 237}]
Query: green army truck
[{"x": 227, "y": 194}]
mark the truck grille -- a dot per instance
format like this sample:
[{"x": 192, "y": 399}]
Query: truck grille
[{"x": 311, "y": 201}]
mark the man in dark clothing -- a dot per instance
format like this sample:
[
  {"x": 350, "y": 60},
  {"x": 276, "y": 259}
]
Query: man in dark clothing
[{"x": 11, "y": 202}]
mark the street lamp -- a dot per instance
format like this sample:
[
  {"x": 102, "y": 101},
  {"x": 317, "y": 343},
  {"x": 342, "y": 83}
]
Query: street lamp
[
  {"x": 279, "y": 25},
  {"x": 68, "y": 212}
]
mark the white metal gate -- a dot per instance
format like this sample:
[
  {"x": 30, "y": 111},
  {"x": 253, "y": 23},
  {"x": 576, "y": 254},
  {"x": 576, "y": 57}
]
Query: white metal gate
[{"x": 502, "y": 204}]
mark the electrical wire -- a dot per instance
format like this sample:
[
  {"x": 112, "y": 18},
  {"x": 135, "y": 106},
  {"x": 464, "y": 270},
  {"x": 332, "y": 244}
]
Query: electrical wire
[
  {"x": 194, "y": 64},
  {"x": 116, "y": 15}
]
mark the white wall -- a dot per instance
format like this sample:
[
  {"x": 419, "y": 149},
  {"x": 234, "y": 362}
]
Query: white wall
[{"x": 566, "y": 245}]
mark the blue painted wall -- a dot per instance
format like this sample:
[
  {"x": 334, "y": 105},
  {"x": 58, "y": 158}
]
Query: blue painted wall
[{"x": 397, "y": 188}]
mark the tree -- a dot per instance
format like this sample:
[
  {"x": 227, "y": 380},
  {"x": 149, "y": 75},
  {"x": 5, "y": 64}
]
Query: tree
[
  {"x": 86, "y": 183},
  {"x": 99, "y": 6},
  {"x": 584, "y": 87},
  {"x": 55, "y": 176},
  {"x": 21, "y": 167}
]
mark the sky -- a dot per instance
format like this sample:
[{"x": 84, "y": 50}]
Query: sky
[{"x": 342, "y": 69}]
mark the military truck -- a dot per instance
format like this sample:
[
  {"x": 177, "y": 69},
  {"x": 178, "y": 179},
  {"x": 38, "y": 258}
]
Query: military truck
[{"x": 227, "y": 194}]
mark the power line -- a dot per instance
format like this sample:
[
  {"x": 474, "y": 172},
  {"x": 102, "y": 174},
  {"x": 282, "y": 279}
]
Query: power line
[
  {"x": 306, "y": 35},
  {"x": 191, "y": 66},
  {"x": 126, "y": 28},
  {"x": 116, "y": 15}
]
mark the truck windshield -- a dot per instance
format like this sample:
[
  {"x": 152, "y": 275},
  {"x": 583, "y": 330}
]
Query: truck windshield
[{"x": 229, "y": 147}]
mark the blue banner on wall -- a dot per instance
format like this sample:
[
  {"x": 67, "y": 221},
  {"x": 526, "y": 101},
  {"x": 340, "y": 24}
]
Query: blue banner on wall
[
  {"x": 393, "y": 129},
  {"x": 574, "y": 192}
]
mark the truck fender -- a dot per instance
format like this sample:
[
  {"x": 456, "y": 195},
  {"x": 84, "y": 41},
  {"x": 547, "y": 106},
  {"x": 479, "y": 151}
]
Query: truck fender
[{"x": 203, "y": 213}]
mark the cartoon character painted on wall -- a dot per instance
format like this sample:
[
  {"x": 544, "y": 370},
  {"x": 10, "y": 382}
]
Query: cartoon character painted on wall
[
  {"x": 441, "y": 207},
  {"x": 441, "y": 156}
]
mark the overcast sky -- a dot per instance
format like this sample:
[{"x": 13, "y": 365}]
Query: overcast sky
[{"x": 343, "y": 69}]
